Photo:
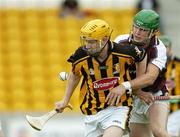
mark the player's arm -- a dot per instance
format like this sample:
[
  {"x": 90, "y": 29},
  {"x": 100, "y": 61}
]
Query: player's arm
[
  {"x": 72, "y": 83},
  {"x": 154, "y": 67},
  {"x": 140, "y": 70},
  {"x": 146, "y": 79},
  {"x": 142, "y": 80},
  {"x": 115, "y": 94},
  {"x": 141, "y": 67},
  {"x": 73, "y": 78}
]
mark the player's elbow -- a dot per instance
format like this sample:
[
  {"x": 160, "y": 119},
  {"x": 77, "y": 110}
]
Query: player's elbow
[{"x": 150, "y": 79}]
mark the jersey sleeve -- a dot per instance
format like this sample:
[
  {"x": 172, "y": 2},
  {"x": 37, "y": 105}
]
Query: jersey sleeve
[
  {"x": 121, "y": 38},
  {"x": 161, "y": 58},
  {"x": 136, "y": 52},
  {"x": 76, "y": 59}
]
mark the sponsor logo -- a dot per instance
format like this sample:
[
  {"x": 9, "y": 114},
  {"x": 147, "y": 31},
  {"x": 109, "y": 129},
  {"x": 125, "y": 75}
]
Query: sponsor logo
[{"x": 105, "y": 83}]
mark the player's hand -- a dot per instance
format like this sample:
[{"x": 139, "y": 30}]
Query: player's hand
[
  {"x": 147, "y": 97},
  {"x": 115, "y": 94},
  {"x": 60, "y": 106},
  {"x": 170, "y": 84}
]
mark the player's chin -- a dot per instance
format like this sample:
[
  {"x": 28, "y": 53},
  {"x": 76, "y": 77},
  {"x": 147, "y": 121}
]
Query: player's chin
[{"x": 138, "y": 39}]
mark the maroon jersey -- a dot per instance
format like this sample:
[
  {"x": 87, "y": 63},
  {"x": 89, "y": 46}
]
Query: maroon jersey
[{"x": 156, "y": 54}]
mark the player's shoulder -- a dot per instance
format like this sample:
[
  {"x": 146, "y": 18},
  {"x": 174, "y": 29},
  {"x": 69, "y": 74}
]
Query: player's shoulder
[
  {"x": 158, "y": 49},
  {"x": 121, "y": 38},
  {"x": 161, "y": 46},
  {"x": 122, "y": 44},
  {"x": 79, "y": 55},
  {"x": 126, "y": 49}
]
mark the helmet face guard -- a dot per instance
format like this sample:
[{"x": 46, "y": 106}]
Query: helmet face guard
[
  {"x": 146, "y": 35},
  {"x": 93, "y": 47}
]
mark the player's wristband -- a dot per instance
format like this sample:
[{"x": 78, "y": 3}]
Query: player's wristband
[{"x": 127, "y": 86}]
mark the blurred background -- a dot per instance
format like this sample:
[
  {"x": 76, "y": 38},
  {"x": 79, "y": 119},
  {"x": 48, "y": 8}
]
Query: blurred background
[{"x": 36, "y": 39}]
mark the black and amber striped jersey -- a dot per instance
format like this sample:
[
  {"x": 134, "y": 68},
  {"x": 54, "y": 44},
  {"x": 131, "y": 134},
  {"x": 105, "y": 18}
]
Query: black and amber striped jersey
[{"x": 100, "y": 77}]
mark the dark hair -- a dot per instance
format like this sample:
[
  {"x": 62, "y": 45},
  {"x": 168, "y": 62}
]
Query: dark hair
[{"x": 72, "y": 4}]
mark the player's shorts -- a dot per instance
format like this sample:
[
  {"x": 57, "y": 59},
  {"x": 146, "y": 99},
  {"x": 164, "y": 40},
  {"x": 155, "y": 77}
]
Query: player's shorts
[
  {"x": 140, "y": 109},
  {"x": 111, "y": 116}
]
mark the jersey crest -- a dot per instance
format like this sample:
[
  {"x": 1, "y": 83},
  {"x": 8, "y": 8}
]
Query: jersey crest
[{"x": 138, "y": 52}]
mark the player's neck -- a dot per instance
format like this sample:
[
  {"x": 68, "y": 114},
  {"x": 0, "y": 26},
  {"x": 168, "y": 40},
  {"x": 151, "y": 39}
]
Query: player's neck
[{"x": 103, "y": 55}]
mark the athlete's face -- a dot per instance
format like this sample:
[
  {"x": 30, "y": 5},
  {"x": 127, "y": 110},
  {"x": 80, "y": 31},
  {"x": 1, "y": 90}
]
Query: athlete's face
[
  {"x": 140, "y": 34},
  {"x": 93, "y": 46}
]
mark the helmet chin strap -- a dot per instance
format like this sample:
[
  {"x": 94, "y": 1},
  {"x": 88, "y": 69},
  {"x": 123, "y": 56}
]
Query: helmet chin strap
[{"x": 150, "y": 34}]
